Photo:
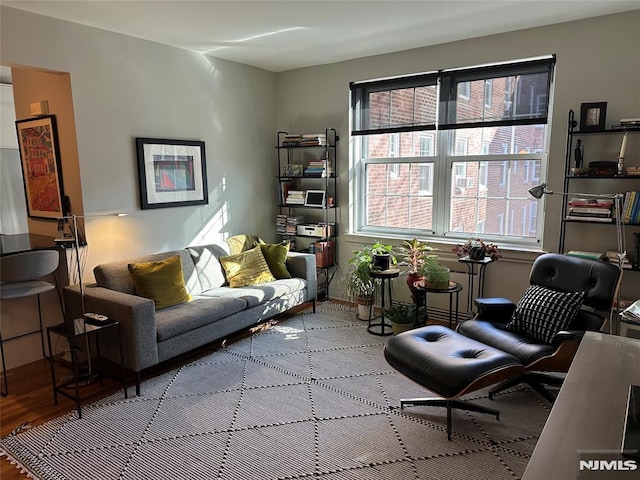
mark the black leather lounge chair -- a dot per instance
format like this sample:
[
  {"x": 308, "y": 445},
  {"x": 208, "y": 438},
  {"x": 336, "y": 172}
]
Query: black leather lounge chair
[{"x": 508, "y": 343}]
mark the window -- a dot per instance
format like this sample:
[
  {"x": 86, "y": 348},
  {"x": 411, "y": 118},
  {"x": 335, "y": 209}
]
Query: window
[
  {"x": 464, "y": 90},
  {"x": 488, "y": 92},
  {"x": 438, "y": 154}
]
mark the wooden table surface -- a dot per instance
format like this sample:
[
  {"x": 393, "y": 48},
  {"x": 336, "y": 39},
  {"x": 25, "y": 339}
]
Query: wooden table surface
[{"x": 589, "y": 412}]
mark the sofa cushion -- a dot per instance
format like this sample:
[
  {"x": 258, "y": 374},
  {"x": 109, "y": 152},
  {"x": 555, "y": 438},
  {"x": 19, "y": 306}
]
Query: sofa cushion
[
  {"x": 161, "y": 281},
  {"x": 116, "y": 276},
  {"x": 276, "y": 255},
  {"x": 242, "y": 243},
  {"x": 257, "y": 294},
  {"x": 180, "y": 319},
  {"x": 543, "y": 312},
  {"x": 207, "y": 266},
  {"x": 246, "y": 268}
]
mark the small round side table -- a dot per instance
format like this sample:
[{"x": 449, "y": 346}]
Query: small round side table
[
  {"x": 421, "y": 296},
  {"x": 385, "y": 277}
]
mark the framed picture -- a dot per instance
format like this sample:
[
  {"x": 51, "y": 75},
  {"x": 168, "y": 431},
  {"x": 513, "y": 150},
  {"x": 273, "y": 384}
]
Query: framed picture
[
  {"x": 172, "y": 173},
  {"x": 41, "y": 167},
  {"x": 592, "y": 116},
  {"x": 315, "y": 198}
]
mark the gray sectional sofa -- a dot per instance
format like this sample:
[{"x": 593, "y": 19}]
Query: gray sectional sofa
[{"x": 215, "y": 311}]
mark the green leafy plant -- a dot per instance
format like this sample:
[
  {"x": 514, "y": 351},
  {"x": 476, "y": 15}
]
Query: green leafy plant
[
  {"x": 413, "y": 253},
  {"x": 476, "y": 245},
  {"x": 399, "y": 312}
]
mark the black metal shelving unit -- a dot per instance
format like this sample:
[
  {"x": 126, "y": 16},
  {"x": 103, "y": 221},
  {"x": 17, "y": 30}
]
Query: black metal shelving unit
[
  {"x": 572, "y": 135},
  {"x": 299, "y": 154}
]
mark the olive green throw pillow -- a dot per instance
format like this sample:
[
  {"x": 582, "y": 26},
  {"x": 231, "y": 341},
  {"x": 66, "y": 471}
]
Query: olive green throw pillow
[
  {"x": 246, "y": 268},
  {"x": 161, "y": 281},
  {"x": 276, "y": 254}
]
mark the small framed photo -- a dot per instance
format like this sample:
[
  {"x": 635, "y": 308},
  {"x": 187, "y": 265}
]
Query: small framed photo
[
  {"x": 592, "y": 116},
  {"x": 293, "y": 170},
  {"x": 315, "y": 198},
  {"x": 172, "y": 173}
]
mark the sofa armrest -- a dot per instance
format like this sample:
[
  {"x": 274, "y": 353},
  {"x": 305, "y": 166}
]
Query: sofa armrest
[
  {"x": 137, "y": 317},
  {"x": 303, "y": 265},
  {"x": 567, "y": 336},
  {"x": 498, "y": 310}
]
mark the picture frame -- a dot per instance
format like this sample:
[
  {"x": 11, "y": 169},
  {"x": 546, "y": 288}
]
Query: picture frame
[
  {"x": 315, "y": 198},
  {"x": 592, "y": 116},
  {"x": 41, "y": 166},
  {"x": 172, "y": 173}
]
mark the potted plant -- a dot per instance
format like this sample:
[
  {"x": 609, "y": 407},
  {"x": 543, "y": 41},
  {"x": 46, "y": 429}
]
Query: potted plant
[
  {"x": 402, "y": 316},
  {"x": 435, "y": 275},
  {"x": 477, "y": 249},
  {"x": 383, "y": 256},
  {"x": 413, "y": 253},
  {"x": 359, "y": 287}
]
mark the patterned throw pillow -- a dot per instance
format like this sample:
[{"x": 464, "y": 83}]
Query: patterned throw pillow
[
  {"x": 542, "y": 312},
  {"x": 242, "y": 243},
  {"x": 162, "y": 281},
  {"x": 246, "y": 268}
]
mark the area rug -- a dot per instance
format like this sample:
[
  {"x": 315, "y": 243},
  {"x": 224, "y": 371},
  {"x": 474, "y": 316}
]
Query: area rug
[{"x": 310, "y": 397}]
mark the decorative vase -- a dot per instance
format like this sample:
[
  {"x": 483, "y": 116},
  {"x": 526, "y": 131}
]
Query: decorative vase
[{"x": 476, "y": 253}]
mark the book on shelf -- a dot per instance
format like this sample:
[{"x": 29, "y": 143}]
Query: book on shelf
[
  {"x": 591, "y": 202},
  {"x": 591, "y": 218},
  {"x": 612, "y": 257}
]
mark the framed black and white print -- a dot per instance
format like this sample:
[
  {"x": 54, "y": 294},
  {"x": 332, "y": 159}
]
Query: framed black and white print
[
  {"x": 592, "y": 116},
  {"x": 172, "y": 173}
]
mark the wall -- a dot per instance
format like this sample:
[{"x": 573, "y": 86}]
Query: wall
[
  {"x": 597, "y": 60},
  {"x": 124, "y": 88}
]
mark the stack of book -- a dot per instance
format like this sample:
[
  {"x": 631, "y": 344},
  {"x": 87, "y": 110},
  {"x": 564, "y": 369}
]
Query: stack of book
[
  {"x": 292, "y": 140},
  {"x": 631, "y": 208},
  {"x": 319, "y": 168},
  {"x": 633, "y": 171},
  {"x": 591, "y": 210},
  {"x": 294, "y": 197},
  {"x": 288, "y": 224},
  {"x": 313, "y": 139},
  {"x": 612, "y": 256}
]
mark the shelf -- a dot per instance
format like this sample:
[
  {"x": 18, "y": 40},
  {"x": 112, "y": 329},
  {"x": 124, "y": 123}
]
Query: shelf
[
  {"x": 606, "y": 131},
  {"x": 600, "y": 177},
  {"x": 290, "y": 177}
]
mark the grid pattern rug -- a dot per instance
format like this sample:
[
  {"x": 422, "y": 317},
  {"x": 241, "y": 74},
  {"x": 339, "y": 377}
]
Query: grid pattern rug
[{"x": 310, "y": 397}]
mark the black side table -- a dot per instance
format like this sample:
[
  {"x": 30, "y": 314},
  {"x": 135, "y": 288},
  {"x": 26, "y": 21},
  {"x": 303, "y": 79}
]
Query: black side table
[
  {"x": 471, "y": 272},
  {"x": 421, "y": 298},
  {"x": 385, "y": 277},
  {"x": 81, "y": 331}
]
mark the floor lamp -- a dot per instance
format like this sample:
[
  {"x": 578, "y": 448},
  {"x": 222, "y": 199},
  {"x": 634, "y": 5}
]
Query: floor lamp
[
  {"x": 76, "y": 248},
  {"x": 539, "y": 190}
]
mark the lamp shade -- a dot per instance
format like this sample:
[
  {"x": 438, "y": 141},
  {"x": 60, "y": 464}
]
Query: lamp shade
[{"x": 538, "y": 190}]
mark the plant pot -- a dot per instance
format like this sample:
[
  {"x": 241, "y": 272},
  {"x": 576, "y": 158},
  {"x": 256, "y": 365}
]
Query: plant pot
[
  {"x": 381, "y": 262},
  {"x": 412, "y": 278},
  {"x": 438, "y": 279},
  {"x": 476, "y": 253},
  {"x": 400, "y": 327},
  {"x": 364, "y": 307}
]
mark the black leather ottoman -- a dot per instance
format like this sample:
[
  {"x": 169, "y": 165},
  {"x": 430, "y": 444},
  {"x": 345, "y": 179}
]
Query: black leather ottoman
[{"x": 450, "y": 365}]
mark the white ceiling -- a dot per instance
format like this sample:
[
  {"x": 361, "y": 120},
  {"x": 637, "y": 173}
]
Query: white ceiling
[{"x": 284, "y": 35}]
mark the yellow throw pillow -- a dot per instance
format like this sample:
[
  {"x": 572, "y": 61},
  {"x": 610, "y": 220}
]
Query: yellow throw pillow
[
  {"x": 246, "y": 268},
  {"x": 276, "y": 256},
  {"x": 161, "y": 281},
  {"x": 242, "y": 243}
]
